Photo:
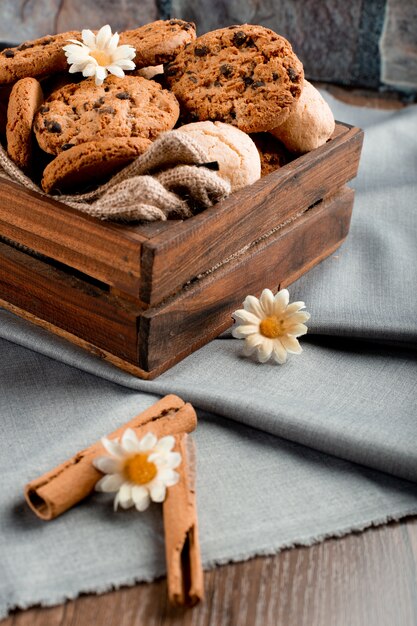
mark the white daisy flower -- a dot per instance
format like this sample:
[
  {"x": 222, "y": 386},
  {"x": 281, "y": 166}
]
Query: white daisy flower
[
  {"x": 98, "y": 55},
  {"x": 139, "y": 470},
  {"x": 270, "y": 325}
]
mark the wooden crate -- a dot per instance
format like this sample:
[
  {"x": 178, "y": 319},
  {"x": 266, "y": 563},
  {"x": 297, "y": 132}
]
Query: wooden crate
[{"x": 143, "y": 297}]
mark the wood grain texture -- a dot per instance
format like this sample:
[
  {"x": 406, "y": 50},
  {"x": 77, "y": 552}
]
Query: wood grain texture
[
  {"x": 172, "y": 329},
  {"x": 102, "y": 250},
  {"x": 69, "y": 302},
  {"x": 363, "y": 579},
  {"x": 199, "y": 243},
  {"x": 29, "y": 19}
]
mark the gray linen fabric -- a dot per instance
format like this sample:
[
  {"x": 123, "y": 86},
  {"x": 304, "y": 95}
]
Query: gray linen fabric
[{"x": 286, "y": 454}]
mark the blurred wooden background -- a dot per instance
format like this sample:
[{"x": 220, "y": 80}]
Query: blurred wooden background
[{"x": 365, "y": 43}]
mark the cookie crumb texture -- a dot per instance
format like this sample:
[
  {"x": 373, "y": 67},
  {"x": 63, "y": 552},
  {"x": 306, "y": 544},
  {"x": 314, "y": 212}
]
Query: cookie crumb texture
[
  {"x": 272, "y": 152},
  {"x": 245, "y": 75},
  {"x": 25, "y": 99},
  {"x": 158, "y": 42},
  {"x": 91, "y": 162},
  {"x": 35, "y": 58},
  {"x": 122, "y": 107}
]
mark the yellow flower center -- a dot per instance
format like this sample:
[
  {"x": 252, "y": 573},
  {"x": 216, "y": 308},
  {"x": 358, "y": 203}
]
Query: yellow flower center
[
  {"x": 101, "y": 57},
  {"x": 272, "y": 327},
  {"x": 139, "y": 470}
]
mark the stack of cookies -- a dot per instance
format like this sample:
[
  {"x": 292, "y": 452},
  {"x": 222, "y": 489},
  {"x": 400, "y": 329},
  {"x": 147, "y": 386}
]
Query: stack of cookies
[{"x": 239, "y": 92}]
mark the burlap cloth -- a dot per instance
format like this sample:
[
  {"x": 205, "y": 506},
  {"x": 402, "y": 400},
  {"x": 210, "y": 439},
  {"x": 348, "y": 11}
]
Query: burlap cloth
[{"x": 172, "y": 179}]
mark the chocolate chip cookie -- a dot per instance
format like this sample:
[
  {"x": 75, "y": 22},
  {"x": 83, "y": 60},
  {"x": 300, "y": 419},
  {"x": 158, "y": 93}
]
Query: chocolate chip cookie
[
  {"x": 158, "y": 42},
  {"x": 245, "y": 75},
  {"x": 91, "y": 162},
  {"x": 272, "y": 152},
  {"x": 35, "y": 58},
  {"x": 25, "y": 99},
  {"x": 121, "y": 107}
]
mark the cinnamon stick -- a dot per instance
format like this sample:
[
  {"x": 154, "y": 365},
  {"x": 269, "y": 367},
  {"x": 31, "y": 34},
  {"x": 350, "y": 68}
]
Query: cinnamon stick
[
  {"x": 58, "y": 490},
  {"x": 182, "y": 548}
]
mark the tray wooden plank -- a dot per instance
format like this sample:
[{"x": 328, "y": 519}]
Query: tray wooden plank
[
  {"x": 69, "y": 303},
  {"x": 102, "y": 250},
  {"x": 199, "y": 243},
  {"x": 203, "y": 310}
]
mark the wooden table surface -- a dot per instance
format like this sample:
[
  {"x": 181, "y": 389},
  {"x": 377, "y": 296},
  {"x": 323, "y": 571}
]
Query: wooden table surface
[{"x": 363, "y": 579}]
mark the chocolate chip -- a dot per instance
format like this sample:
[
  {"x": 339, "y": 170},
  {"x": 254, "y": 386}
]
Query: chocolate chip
[
  {"x": 275, "y": 76},
  {"x": 250, "y": 43},
  {"x": 9, "y": 54},
  {"x": 233, "y": 114},
  {"x": 292, "y": 74},
  {"x": 44, "y": 109},
  {"x": 248, "y": 81},
  {"x": 47, "y": 41},
  {"x": 67, "y": 146},
  {"x": 194, "y": 117},
  {"x": 239, "y": 38},
  {"x": 193, "y": 79},
  {"x": 107, "y": 110},
  {"x": 201, "y": 51},
  {"x": 226, "y": 70},
  {"x": 97, "y": 104},
  {"x": 217, "y": 83},
  {"x": 52, "y": 126},
  {"x": 170, "y": 70},
  {"x": 24, "y": 46},
  {"x": 258, "y": 83},
  {"x": 123, "y": 95}
]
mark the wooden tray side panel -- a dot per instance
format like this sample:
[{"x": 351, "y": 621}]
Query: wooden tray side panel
[
  {"x": 104, "y": 251},
  {"x": 177, "y": 255},
  {"x": 187, "y": 321},
  {"x": 69, "y": 303}
]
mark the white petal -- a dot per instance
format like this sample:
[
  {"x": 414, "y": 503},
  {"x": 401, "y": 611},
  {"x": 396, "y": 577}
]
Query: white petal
[
  {"x": 294, "y": 307},
  {"x": 113, "y": 447},
  {"x": 109, "y": 483},
  {"x": 114, "y": 40},
  {"x": 279, "y": 353},
  {"x": 76, "y": 42},
  {"x": 267, "y": 301},
  {"x": 124, "y": 52},
  {"x": 101, "y": 73},
  {"x": 253, "y": 305},
  {"x": 264, "y": 350},
  {"x": 165, "y": 444},
  {"x": 174, "y": 460},
  {"x": 281, "y": 300},
  {"x": 169, "y": 477},
  {"x": 103, "y": 37},
  {"x": 158, "y": 492},
  {"x": 140, "y": 497},
  {"x": 299, "y": 317},
  {"x": 147, "y": 442},
  {"x": 241, "y": 315},
  {"x": 130, "y": 442},
  {"x": 124, "y": 64},
  {"x": 240, "y": 332},
  {"x": 116, "y": 71},
  {"x": 89, "y": 70},
  {"x": 72, "y": 48},
  {"x": 297, "y": 330},
  {"x": 107, "y": 464},
  {"x": 125, "y": 496},
  {"x": 88, "y": 37},
  {"x": 251, "y": 343},
  {"x": 291, "y": 344}
]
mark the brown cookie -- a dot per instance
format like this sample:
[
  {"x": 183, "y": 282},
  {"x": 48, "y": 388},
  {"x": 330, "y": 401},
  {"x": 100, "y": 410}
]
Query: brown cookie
[
  {"x": 158, "y": 42},
  {"x": 35, "y": 58},
  {"x": 25, "y": 99},
  {"x": 245, "y": 75},
  {"x": 121, "y": 107},
  {"x": 91, "y": 163},
  {"x": 272, "y": 152}
]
